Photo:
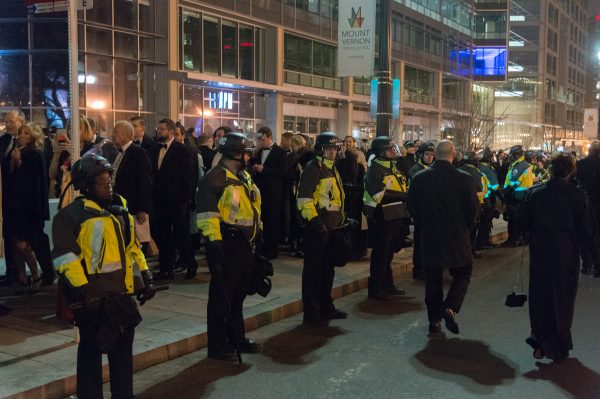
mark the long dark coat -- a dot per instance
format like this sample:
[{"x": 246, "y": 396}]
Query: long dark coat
[
  {"x": 559, "y": 220},
  {"x": 444, "y": 204}
]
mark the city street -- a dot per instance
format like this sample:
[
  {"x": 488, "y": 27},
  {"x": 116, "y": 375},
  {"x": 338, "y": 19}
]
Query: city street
[{"x": 382, "y": 351}]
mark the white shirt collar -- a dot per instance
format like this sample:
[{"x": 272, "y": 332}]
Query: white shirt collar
[{"x": 126, "y": 146}]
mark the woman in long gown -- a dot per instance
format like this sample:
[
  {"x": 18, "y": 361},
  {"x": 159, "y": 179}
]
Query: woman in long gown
[{"x": 558, "y": 217}]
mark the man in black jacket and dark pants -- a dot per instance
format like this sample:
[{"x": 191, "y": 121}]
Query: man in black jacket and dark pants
[
  {"x": 270, "y": 172},
  {"x": 175, "y": 178},
  {"x": 444, "y": 202},
  {"x": 588, "y": 177}
]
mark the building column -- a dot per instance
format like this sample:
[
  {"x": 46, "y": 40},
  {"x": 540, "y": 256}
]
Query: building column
[
  {"x": 344, "y": 119},
  {"x": 439, "y": 105},
  {"x": 401, "y": 117},
  {"x": 274, "y": 114},
  {"x": 173, "y": 58}
]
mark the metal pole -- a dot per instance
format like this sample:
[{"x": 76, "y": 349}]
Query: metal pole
[
  {"x": 384, "y": 90},
  {"x": 73, "y": 78}
]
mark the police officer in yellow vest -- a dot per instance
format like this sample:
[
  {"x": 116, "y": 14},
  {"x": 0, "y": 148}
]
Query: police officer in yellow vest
[
  {"x": 385, "y": 205},
  {"x": 518, "y": 180},
  {"x": 320, "y": 200},
  {"x": 97, "y": 256},
  {"x": 228, "y": 207},
  {"x": 470, "y": 164}
]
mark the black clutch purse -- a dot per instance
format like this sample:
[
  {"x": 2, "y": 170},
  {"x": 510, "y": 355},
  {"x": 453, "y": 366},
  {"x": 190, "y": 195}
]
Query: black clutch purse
[{"x": 514, "y": 300}]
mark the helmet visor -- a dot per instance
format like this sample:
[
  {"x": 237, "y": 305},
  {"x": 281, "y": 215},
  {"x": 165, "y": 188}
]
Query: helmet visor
[
  {"x": 393, "y": 151},
  {"x": 330, "y": 151}
]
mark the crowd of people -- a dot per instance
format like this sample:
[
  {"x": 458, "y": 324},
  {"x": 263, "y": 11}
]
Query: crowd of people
[{"x": 245, "y": 201}]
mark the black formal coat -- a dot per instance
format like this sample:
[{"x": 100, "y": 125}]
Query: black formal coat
[
  {"x": 147, "y": 143},
  {"x": 133, "y": 180},
  {"x": 559, "y": 220},
  {"x": 444, "y": 204},
  {"x": 175, "y": 182},
  {"x": 588, "y": 176},
  {"x": 272, "y": 180},
  {"x": 5, "y": 142}
]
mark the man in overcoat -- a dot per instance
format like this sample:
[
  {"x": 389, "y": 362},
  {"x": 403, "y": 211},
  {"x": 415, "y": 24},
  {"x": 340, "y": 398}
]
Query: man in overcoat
[{"x": 443, "y": 201}]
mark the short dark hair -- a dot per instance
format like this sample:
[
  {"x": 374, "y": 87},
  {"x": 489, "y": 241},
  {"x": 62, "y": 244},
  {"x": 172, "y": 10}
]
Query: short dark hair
[
  {"x": 225, "y": 129},
  {"x": 287, "y": 135},
  {"x": 139, "y": 119},
  {"x": 266, "y": 131},
  {"x": 169, "y": 122},
  {"x": 562, "y": 165}
]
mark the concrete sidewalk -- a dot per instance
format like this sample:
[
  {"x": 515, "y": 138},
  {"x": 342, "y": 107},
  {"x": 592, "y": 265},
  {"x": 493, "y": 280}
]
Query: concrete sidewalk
[{"x": 38, "y": 352}]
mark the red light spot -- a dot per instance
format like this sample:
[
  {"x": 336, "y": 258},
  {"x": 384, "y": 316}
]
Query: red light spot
[
  {"x": 227, "y": 47},
  {"x": 597, "y": 17},
  {"x": 250, "y": 44}
]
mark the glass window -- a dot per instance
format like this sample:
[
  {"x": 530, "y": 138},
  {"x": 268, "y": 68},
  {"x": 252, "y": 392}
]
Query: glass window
[
  {"x": 50, "y": 80},
  {"x": 99, "y": 41},
  {"x": 246, "y": 105},
  {"x": 229, "y": 40},
  {"x": 13, "y": 36},
  {"x": 192, "y": 42},
  {"x": 101, "y": 12},
  {"x": 305, "y": 64},
  {"x": 146, "y": 11},
  {"x": 126, "y": 14},
  {"x": 14, "y": 80},
  {"x": 126, "y": 85},
  {"x": 51, "y": 35},
  {"x": 292, "y": 53},
  {"x": 104, "y": 121},
  {"x": 126, "y": 45},
  {"x": 212, "y": 46},
  {"x": 192, "y": 100},
  {"x": 147, "y": 49},
  {"x": 246, "y": 52},
  {"x": 99, "y": 82},
  {"x": 147, "y": 87}
]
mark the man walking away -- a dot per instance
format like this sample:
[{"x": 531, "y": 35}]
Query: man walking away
[
  {"x": 443, "y": 201},
  {"x": 588, "y": 177}
]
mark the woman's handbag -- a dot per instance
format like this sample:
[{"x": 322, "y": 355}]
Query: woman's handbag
[{"x": 514, "y": 300}]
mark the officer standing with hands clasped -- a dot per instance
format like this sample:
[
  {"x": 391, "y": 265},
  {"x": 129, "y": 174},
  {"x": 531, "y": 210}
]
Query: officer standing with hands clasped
[
  {"x": 98, "y": 257},
  {"x": 228, "y": 206},
  {"x": 320, "y": 200},
  {"x": 385, "y": 206}
]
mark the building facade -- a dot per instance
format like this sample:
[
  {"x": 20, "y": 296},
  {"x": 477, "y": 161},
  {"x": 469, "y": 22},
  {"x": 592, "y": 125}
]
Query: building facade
[
  {"x": 545, "y": 95},
  {"x": 248, "y": 63}
]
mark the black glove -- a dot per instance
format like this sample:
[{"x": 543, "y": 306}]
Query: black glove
[
  {"x": 393, "y": 196},
  {"x": 91, "y": 300},
  {"x": 316, "y": 226},
  {"x": 215, "y": 253},
  {"x": 148, "y": 292}
]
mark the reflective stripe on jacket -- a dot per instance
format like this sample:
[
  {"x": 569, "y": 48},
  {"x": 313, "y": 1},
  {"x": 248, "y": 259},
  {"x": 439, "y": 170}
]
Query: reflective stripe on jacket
[
  {"x": 91, "y": 246},
  {"x": 519, "y": 177},
  {"x": 381, "y": 176},
  {"x": 226, "y": 198},
  {"x": 320, "y": 193}
]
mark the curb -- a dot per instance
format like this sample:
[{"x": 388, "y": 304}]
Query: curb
[{"x": 66, "y": 386}]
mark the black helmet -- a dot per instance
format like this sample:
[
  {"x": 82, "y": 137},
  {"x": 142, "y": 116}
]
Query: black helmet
[
  {"x": 232, "y": 144},
  {"x": 529, "y": 155},
  {"x": 408, "y": 144},
  {"x": 381, "y": 144},
  {"x": 89, "y": 166},
  {"x": 326, "y": 139},
  {"x": 471, "y": 158},
  {"x": 488, "y": 155},
  {"x": 424, "y": 147},
  {"x": 516, "y": 151}
]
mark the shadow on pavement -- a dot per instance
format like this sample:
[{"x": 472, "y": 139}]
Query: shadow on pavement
[
  {"x": 395, "y": 305},
  {"x": 193, "y": 382},
  {"x": 571, "y": 376},
  {"x": 467, "y": 358},
  {"x": 292, "y": 347}
]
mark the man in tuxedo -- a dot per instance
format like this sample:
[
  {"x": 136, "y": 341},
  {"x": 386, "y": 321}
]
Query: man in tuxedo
[
  {"x": 173, "y": 194},
  {"x": 8, "y": 141},
  {"x": 270, "y": 170},
  {"x": 132, "y": 176},
  {"x": 139, "y": 133}
]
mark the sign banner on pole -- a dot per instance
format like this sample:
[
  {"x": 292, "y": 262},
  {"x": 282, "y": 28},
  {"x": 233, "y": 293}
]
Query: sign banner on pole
[{"x": 356, "y": 38}]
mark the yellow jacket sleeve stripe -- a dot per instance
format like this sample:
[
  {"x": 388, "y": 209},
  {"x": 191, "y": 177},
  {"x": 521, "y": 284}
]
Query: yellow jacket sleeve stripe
[{"x": 70, "y": 265}]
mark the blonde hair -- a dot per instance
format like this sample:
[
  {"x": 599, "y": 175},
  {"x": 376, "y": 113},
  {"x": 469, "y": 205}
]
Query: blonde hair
[
  {"x": 36, "y": 134},
  {"x": 298, "y": 140},
  {"x": 85, "y": 130}
]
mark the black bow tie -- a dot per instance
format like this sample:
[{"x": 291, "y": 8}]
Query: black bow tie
[
  {"x": 268, "y": 148},
  {"x": 120, "y": 150},
  {"x": 162, "y": 145},
  {"x": 136, "y": 142}
]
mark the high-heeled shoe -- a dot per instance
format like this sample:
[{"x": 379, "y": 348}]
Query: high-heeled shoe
[{"x": 35, "y": 285}]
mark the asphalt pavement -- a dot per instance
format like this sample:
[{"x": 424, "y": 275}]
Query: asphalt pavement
[{"x": 383, "y": 351}]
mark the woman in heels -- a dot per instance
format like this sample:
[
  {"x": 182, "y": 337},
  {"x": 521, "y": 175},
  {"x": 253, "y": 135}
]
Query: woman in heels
[{"x": 27, "y": 204}]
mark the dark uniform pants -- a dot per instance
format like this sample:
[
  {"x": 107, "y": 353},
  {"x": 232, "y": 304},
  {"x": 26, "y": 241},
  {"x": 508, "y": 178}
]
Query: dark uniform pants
[
  {"x": 224, "y": 329},
  {"x": 434, "y": 290},
  {"x": 386, "y": 236},
  {"x": 89, "y": 362},
  {"x": 484, "y": 229},
  {"x": 417, "y": 264},
  {"x": 513, "y": 228},
  {"x": 318, "y": 274}
]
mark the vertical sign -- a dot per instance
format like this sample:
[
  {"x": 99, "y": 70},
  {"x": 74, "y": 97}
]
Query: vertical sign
[
  {"x": 356, "y": 37},
  {"x": 374, "y": 91},
  {"x": 395, "y": 98}
]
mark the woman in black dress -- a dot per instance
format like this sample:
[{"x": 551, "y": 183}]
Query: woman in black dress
[
  {"x": 27, "y": 205},
  {"x": 559, "y": 220}
]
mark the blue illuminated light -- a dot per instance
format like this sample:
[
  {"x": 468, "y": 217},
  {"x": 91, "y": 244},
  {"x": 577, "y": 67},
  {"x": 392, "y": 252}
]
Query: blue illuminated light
[{"x": 489, "y": 62}]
